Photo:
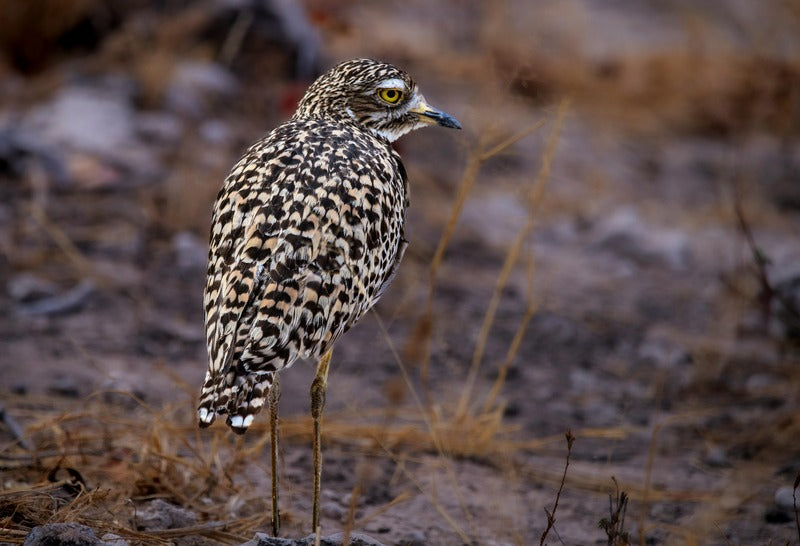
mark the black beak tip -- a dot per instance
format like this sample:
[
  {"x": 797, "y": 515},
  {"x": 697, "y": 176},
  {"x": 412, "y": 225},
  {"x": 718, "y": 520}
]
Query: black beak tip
[
  {"x": 446, "y": 120},
  {"x": 450, "y": 122},
  {"x": 443, "y": 119}
]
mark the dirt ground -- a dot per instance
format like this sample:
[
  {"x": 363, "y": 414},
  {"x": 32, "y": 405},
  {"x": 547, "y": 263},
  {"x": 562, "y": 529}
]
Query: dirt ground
[{"x": 610, "y": 247}]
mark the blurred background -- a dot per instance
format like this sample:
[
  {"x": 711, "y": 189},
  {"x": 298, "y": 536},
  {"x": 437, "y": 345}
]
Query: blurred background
[{"x": 611, "y": 246}]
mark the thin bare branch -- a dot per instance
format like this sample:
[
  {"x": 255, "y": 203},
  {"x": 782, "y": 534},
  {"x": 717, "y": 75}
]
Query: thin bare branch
[{"x": 551, "y": 514}]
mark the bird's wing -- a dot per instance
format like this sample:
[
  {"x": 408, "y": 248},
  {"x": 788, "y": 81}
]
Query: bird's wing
[
  {"x": 268, "y": 246},
  {"x": 306, "y": 235}
]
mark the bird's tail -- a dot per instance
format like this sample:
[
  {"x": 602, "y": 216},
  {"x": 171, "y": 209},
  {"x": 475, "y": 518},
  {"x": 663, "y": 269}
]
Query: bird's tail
[{"x": 241, "y": 397}]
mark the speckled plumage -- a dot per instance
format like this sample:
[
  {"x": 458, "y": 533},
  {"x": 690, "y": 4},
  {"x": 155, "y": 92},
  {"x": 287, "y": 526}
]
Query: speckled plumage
[{"x": 306, "y": 234}]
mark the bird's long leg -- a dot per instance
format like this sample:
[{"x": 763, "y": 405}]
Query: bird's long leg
[
  {"x": 317, "y": 403},
  {"x": 274, "y": 396}
]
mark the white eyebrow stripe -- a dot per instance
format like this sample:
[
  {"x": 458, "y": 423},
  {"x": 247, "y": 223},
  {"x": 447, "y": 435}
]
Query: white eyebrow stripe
[{"x": 393, "y": 83}]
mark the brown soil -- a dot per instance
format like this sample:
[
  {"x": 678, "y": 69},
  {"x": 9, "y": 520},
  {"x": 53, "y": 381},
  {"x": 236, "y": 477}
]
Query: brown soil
[{"x": 625, "y": 268}]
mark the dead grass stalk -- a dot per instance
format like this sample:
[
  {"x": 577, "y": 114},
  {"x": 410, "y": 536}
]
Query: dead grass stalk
[
  {"x": 534, "y": 198},
  {"x": 551, "y": 514},
  {"x": 476, "y": 159}
]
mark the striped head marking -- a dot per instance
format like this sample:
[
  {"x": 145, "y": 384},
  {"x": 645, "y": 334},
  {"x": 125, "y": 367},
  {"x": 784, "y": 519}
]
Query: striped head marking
[{"x": 377, "y": 96}]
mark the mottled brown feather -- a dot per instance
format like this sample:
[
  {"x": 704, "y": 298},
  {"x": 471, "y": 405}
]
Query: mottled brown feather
[{"x": 306, "y": 234}]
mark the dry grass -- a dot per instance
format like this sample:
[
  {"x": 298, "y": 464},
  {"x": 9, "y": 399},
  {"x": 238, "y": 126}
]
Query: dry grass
[
  {"x": 124, "y": 453},
  {"x": 118, "y": 455},
  {"x": 115, "y": 454},
  {"x": 93, "y": 462}
]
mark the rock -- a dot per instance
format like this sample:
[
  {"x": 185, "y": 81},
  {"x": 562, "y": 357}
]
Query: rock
[
  {"x": 412, "y": 538},
  {"x": 18, "y": 148},
  {"x": 27, "y": 287},
  {"x": 597, "y": 413},
  {"x": 495, "y": 218},
  {"x": 717, "y": 457},
  {"x": 626, "y": 234},
  {"x": 784, "y": 500},
  {"x": 332, "y": 510},
  {"x": 760, "y": 383},
  {"x": 660, "y": 350},
  {"x": 65, "y": 302},
  {"x": 190, "y": 252},
  {"x": 64, "y": 386},
  {"x": 159, "y": 127},
  {"x": 63, "y": 534},
  {"x": 163, "y": 515},
  {"x": 355, "y": 539},
  {"x": 194, "y": 84},
  {"x": 89, "y": 119},
  {"x": 98, "y": 120},
  {"x": 116, "y": 540},
  {"x": 215, "y": 131}
]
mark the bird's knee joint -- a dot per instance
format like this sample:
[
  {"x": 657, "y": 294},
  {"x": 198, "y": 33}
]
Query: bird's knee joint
[{"x": 317, "y": 398}]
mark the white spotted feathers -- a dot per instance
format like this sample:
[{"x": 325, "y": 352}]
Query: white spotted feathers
[{"x": 307, "y": 232}]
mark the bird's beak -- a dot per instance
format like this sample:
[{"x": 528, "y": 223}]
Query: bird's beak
[{"x": 428, "y": 114}]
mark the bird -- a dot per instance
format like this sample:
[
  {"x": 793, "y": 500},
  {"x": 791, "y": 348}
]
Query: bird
[{"x": 307, "y": 233}]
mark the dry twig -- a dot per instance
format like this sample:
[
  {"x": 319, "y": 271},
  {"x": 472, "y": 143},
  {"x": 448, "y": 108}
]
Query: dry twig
[
  {"x": 551, "y": 515},
  {"x": 614, "y": 525}
]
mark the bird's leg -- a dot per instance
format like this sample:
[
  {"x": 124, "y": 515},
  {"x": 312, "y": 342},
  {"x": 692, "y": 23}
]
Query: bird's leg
[
  {"x": 317, "y": 403},
  {"x": 274, "y": 396}
]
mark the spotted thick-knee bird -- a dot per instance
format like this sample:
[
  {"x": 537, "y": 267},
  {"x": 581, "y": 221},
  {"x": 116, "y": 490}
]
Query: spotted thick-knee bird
[{"x": 307, "y": 233}]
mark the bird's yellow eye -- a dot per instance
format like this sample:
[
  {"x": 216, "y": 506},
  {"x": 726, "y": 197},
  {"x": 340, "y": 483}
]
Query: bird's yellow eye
[{"x": 390, "y": 95}]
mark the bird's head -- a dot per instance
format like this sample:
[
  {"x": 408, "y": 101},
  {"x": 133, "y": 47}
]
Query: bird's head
[{"x": 378, "y": 96}]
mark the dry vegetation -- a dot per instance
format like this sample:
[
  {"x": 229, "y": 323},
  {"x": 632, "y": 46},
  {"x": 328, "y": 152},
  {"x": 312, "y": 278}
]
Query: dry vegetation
[{"x": 479, "y": 347}]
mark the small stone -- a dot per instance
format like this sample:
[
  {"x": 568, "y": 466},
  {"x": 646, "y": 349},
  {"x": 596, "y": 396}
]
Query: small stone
[
  {"x": 64, "y": 386},
  {"x": 625, "y": 233},
  {"x": 116, "y": 540},
  {"x": 159, "y": 127},
  {"x": 90, "y": 119},
  {"x": 495, "y": 218},
  {"x": 412, "y": 538},
  {"x": 338, "y": 539},
  {"x": 717, "y": 457},
  {"x": 163, "y": 515},
  {"x": 596, "y": 413},
  {"x": 195, "y": 83},
  {"x": 67, "y": 534},
  {"x": 215, "y": 131},
  {"x": 784, "y": 499},
  {"x": 662, "y": 352},
  {"x": 330, "y": 495},
  {"x": 19, "y": 146},
  {"x": 65, "y": 302},
  {"x": 760, "y": 382},
  {"x": 355, "y": 539},
  {"x": 191, "y": 253},
  {"x": 26, "y": 287},
  {"x": 332, "y": 510}
]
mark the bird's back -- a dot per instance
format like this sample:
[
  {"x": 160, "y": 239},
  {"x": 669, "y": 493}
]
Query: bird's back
[{"x": 307, "y": 231}]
